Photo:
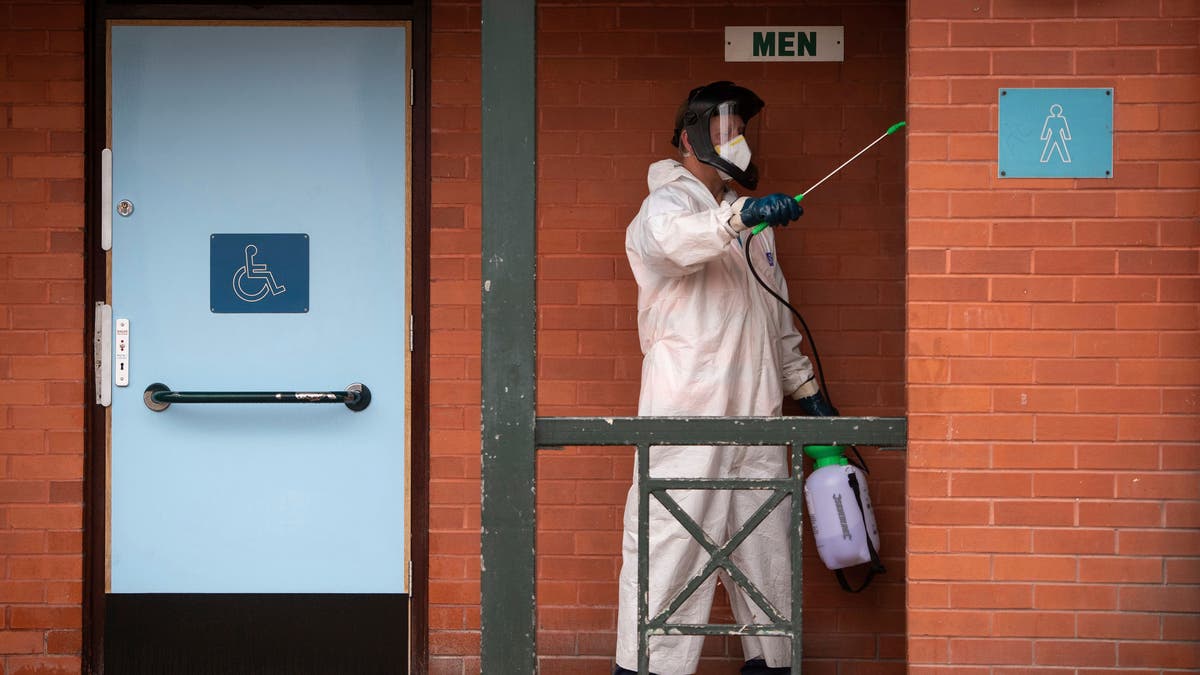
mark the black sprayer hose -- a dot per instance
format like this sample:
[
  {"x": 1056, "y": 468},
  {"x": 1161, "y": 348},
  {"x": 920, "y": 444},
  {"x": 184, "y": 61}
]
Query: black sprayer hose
[{"x": 816, "y": 359}]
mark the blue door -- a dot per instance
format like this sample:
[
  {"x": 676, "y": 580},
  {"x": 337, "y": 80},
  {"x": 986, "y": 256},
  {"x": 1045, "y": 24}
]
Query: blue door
[{"x": 259, "y": 243}]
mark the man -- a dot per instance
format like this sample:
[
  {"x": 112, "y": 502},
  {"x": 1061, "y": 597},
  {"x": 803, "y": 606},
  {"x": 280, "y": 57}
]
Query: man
[{"x": 715, "y": 344}]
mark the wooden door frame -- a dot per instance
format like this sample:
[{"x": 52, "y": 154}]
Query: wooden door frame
[{"x": 99, "y": 12}]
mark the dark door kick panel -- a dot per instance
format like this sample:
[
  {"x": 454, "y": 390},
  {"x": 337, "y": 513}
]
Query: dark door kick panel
[{"x": 256, "y": 634}]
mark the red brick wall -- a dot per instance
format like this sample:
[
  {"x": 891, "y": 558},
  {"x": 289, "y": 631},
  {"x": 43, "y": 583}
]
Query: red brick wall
[
  {"x": 610, "y": 76},
  {"x": 41, "y": 336},
  {"x": 1053, "y": 493},
  {"x": 454, "y": 324}
]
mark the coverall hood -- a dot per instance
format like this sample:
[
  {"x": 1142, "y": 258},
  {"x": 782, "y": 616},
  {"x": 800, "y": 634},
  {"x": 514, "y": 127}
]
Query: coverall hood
[{"x": 664, "y": 172}]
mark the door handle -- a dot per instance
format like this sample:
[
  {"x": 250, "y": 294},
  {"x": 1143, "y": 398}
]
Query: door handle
[{"x": 159, "y": 397}]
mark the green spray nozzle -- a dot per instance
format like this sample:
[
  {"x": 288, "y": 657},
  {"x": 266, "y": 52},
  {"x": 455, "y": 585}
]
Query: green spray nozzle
[
  {"x": 826, "y": 455},
  {"x": 891, "y": 130}
]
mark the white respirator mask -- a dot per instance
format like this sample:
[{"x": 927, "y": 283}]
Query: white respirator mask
[{"x": 736, "y": 151}]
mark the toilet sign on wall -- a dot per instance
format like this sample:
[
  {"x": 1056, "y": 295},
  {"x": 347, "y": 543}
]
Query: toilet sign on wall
[
  {"x": 784, "y": 43},
  {"x": 258, "y": 273},
  {"x": 1056, "y": 133}
]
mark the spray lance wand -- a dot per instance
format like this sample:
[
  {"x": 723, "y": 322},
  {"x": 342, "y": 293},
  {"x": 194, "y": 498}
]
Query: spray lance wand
[
  {"x": 820, "y": 372},
  {"x": 891, "y": 130}
]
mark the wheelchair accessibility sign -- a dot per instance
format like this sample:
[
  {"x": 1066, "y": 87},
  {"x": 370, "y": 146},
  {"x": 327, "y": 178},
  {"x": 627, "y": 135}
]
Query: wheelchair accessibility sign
[{"x": 258, "y": 273}]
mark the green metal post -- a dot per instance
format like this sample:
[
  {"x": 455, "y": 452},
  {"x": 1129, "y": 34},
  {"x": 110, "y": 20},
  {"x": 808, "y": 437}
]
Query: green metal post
[
  {"x": 509, "y": 306},
  {"x": 643, "y": 458},
  {"x": 797, "y": 526}
]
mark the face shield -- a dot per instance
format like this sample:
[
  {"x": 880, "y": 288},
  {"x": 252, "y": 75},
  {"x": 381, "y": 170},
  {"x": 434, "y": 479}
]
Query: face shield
[
  {"x": 718, "y": 119},
  {"x": 734, "y": 141}
]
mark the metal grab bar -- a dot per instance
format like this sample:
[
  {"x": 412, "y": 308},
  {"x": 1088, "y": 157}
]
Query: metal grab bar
[{"x": 159, "y": 397}]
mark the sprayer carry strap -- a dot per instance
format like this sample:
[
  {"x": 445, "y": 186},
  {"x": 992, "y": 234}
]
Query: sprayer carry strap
[{"x": 876, "y": 564}]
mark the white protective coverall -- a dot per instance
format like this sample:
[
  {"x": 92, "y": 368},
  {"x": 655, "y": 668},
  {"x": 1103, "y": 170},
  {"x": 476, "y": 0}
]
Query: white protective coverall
[{"x": 715, "y": 344}]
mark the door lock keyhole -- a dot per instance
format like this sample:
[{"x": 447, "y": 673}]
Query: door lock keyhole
[{"x": 125, "y": 207}]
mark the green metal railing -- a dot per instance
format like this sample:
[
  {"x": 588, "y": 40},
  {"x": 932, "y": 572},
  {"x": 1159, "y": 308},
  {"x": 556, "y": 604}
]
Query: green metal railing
[{"x": 647, "y": 432}]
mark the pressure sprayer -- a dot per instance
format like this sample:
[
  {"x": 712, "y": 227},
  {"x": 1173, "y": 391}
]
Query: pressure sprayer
[{"x": 839, "y": 507}]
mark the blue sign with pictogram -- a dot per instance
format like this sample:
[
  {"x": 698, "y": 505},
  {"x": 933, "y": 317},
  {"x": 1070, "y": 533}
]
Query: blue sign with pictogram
[
  {"x": 1056, "y": 133},
  {"x": 258, "y": 273}
]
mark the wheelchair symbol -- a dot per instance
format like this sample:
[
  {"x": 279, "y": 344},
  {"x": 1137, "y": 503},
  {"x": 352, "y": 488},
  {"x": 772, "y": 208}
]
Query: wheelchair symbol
[{"x": 255, "y": 272}]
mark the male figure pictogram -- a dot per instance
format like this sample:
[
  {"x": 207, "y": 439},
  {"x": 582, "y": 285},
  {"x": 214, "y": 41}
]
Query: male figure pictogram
[{"x": 1056, "y": 133}]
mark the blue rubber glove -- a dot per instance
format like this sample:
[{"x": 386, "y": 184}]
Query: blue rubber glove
[
  {"x": 817, "y": 406},
  {"x": 777, "y": 209}
]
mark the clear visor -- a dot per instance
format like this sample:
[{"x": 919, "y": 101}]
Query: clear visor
[{"x": 726, "y": 124}]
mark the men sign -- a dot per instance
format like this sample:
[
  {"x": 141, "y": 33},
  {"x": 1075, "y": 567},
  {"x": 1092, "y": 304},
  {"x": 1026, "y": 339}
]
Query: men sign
[
  {"x": 1055, "y": 133},
  {"x": 784, "y": 43}
]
